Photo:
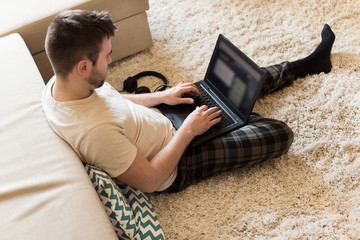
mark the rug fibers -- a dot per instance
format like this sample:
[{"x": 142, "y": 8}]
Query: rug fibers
[{"x": 312, "y": 192}]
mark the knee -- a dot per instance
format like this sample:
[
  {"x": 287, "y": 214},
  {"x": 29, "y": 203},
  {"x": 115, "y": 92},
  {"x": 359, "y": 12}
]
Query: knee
[
  {"x": 278, "y": 135},
  {"x": 286, "y": 136}
]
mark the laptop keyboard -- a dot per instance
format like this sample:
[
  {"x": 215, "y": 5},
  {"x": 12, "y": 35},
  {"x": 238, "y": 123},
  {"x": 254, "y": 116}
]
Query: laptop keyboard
[{"x": 204, "y": 99}]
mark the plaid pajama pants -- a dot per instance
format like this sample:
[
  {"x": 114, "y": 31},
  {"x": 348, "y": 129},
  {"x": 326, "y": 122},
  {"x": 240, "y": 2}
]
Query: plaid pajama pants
[{"x": 261, "y": 139}]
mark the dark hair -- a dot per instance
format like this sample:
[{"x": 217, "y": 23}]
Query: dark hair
[{"x": 74, "y": 35}]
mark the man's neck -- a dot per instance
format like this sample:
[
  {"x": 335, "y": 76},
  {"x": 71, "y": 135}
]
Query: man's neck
[{"x": 69, "y": 89}]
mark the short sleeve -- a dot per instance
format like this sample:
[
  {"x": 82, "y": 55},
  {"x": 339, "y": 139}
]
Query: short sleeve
[{"x": 107, "y": 148}]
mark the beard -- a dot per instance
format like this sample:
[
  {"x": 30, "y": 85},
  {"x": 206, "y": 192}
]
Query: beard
[{"x": 96, "y": 79}]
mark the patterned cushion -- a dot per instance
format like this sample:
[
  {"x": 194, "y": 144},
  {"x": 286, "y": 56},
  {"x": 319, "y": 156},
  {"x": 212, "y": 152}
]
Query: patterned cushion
[{"x": 129, "y": 210}]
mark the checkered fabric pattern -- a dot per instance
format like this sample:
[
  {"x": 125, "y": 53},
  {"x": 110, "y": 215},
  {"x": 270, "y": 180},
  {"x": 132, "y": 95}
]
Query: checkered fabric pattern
[
  {"x": 261, "y": 139},
  {"x": 277, "y": 77}
]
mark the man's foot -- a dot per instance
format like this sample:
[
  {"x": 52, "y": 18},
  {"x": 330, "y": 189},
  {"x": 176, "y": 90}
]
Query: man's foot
[{"x": 318, "y": 61}]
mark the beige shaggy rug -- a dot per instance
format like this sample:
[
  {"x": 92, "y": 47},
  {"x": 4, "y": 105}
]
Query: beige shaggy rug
[{"x": 313, "y": 191}]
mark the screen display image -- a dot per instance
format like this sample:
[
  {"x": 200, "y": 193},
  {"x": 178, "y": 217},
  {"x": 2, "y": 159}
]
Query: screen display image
[{"x": 233, "y": 77}]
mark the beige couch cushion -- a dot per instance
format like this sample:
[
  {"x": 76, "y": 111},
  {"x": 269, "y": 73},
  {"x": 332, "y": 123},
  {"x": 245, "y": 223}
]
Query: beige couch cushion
[
  {"x": 33, "y": 26},
  {"x": 32, "y": 20},
  {"x": 45, "y": 192},
  {"x": 19, "y": 13}
]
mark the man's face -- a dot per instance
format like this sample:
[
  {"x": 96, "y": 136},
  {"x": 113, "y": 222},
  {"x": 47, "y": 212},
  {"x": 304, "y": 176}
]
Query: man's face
[{"x": 99, "y": 70}]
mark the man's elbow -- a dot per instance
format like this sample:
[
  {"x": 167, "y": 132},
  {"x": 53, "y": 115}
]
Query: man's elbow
[
  {"x": 145, "y": 186},
  {"x": 151, "y": 187}
]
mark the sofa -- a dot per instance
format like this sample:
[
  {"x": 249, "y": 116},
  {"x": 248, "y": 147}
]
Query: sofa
[
  {"x": 128, "y": 15},
  {"x": 46, "y": 192}
]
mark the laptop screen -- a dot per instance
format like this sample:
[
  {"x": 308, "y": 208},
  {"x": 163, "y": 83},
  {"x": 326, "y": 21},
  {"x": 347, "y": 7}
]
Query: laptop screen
[{"x": 234, "y": 76}]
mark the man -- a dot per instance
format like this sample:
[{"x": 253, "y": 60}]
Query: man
[{"x": 123, "y": 135}]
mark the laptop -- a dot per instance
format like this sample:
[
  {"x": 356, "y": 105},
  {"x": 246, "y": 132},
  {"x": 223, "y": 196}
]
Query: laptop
[{"x": 232, "y": 83}]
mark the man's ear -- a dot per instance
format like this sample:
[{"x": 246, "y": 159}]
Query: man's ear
[{"x": 83, "y": 67}]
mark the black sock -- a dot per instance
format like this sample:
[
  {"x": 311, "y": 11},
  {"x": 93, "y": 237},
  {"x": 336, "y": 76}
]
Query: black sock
[{"x": 318, "y": 61}]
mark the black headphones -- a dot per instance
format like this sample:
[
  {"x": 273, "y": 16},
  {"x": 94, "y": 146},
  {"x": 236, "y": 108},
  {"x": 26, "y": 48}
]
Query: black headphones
[{"x": 130, "y": 84}]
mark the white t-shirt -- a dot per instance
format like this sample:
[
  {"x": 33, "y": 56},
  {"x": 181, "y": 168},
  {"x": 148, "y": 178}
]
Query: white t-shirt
[{"x": 106, "y": 130}]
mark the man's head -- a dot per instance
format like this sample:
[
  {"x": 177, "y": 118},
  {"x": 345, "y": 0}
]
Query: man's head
[{"x": 76, "y": 35}]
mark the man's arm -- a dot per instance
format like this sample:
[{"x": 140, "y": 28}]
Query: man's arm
[
  {"x": 172, "y": 96},
  {"x": 150, "y": 175}
]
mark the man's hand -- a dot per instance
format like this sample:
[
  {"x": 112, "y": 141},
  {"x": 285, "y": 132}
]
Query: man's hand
[
  {"x": 173, "y": 96},
  {"x": 201, "y": 119}
]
